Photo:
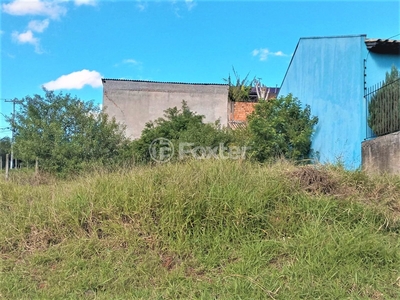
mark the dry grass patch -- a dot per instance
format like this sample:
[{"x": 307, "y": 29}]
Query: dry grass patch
[{"x": 314, "y": 180}]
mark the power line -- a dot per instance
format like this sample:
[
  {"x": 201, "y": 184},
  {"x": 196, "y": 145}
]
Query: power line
[{"x": 393, "y": 36}]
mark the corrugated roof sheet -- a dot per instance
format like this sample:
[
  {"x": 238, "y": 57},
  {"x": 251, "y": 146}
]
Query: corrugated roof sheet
[
  {"x": 167, "y": 82},
  {"x": 383, "y": 46}
]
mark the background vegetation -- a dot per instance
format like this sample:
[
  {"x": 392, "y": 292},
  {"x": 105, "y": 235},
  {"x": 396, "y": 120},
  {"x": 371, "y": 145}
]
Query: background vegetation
[
  {"x": 179, "y": 125},
  {"x": 5, "y": 148},
  {"x": 384, "y": 106},
  {"x": 277, "y": 128},
  {"x": 66, "y": 134},
  {"x": 69, "y": 136},
  {"x": 281, "y": 128}
]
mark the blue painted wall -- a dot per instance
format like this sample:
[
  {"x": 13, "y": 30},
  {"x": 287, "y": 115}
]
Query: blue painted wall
[
  {"x": 327, "y": 73},
  {"x": 377, "y": 66}
]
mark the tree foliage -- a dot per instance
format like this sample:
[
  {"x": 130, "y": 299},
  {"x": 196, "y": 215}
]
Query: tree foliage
[
  {"x": 384, "y": 106},
  {"x": 5, "y": 148},
  {"x": 65, "y": 133},
  {"x": 280, "y": 127},
  {"x": 179, "y": 125},
  {"x": 68, "y": 135}
]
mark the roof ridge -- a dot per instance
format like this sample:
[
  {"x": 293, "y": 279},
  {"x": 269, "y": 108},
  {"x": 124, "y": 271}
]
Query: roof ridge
[
  {"x": 169, "y": 82},
  {"x": 334, "y": 36}
]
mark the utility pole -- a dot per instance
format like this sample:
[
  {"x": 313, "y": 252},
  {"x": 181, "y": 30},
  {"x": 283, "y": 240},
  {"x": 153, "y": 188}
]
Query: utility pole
[{"x": 15, "y": 100}]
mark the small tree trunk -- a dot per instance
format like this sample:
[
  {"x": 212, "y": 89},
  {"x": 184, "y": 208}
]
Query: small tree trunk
[
  {"x": 37, "y": 166},
  {"x": 7, "y": 162}
]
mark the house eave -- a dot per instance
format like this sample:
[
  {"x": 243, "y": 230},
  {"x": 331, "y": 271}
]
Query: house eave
[{"x": 383, "y": 46}]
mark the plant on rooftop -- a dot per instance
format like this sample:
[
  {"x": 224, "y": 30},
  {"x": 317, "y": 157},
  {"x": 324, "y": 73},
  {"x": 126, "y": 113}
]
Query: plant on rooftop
[{"x": 239, "y": 89}]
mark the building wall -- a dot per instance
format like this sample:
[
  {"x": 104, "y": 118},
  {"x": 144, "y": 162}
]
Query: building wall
[
  {"x": 382, "y": 154},
  {"x": 327, "y": 73},
  {"x": 377, "y": 65},
  {"x": 241, "y": 110},
  {"x": 134, "y": 103}
]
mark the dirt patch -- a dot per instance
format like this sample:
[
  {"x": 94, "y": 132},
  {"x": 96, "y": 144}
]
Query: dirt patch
[
  {"x": 280, "y": 261},
  {"x": 40, "y": 239},
  {"x": 169, "y": 260},
  {"x": 314, "y": 180},
  {"x": 92, "y": 224}
]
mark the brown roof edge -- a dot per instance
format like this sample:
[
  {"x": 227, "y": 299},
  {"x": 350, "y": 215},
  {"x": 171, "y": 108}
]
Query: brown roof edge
[
  {"x": 383, "y": 46},
  {"x": 167, "y": 82}
]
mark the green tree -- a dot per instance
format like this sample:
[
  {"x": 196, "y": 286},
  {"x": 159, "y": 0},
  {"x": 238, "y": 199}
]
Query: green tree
[
  {"x": 5, "y": 148},
  {"x": 179, "y": 126},
  {"x": 65, "y": 133},
  {"x": 280, "y": 127},
  {"x": 384, "y": 106}
]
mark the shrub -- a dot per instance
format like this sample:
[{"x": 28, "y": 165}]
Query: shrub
[
  {"x": 280, "y": 127},
  {"x": 178, "y": 126}
]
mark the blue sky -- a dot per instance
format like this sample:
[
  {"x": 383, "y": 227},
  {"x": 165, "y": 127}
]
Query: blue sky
[{"x": 70, "y": 45}]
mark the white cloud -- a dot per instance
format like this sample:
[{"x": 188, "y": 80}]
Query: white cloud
[
  {"x": 27, "y": 38},
  {"x": 75, "y": 80},
  {"x": 38, "y": 26},
  {"x": 190, "y": 4},
  {"x": 181, "y": 6},
  {"x": 51, "y": 9},
  {"x": 131, "y": 61},
  {"x": 85, "y": 2},
  {"x": 263, "y": 53},
  {"x": 141, "y": 5}
]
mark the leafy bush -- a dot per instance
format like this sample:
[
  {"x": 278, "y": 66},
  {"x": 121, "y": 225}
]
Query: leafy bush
[
  {"x": 5, "y": 148},
  {"x": 280, "y": 127},
  {"x": 384, "y": 106},
  {"x": 65, "y": 133},
  {"x": 179, "y": 126}
]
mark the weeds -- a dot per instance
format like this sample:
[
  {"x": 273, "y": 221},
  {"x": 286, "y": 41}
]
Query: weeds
[{"x": 202, "y": 230}]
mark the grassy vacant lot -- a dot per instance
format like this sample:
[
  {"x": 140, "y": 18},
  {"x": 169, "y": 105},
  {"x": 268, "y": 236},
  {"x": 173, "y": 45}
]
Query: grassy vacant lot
[{"x": 202, "y": 230}]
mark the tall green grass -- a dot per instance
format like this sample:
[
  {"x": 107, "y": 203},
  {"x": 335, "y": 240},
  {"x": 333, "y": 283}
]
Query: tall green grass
[{"x": 202, "y": 230}]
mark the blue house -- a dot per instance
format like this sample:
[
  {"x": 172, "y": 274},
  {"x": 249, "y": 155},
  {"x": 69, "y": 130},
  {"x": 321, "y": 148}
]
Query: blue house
[{"x": 332, "y": 74}]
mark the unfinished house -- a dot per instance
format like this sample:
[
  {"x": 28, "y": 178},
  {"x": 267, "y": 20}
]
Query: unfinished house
[{"x": 136, "y": 102}]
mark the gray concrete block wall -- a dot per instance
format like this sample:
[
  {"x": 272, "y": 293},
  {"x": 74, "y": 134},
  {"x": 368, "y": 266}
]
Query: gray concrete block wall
[
  {"x": 134, "y": 103},
  {"x": 382, "y": 154}
]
